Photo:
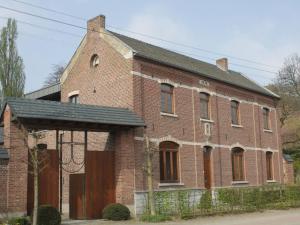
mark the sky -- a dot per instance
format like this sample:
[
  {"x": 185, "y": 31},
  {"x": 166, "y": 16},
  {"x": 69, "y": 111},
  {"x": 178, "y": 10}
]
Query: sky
[{"x": 256, "y": 36}]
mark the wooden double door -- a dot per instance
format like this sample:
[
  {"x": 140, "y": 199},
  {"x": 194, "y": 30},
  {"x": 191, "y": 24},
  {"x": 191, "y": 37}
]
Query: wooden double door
[{"x": 92, "y": 191}]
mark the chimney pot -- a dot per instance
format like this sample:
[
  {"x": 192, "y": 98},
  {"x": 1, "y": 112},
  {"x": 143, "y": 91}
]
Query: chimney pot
[
  {"x": 96, "y": 24},
  {"x": 222, "y": 64}
]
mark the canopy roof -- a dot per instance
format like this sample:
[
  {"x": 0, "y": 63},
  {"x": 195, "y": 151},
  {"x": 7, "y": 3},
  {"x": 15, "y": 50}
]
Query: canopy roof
[{"x": 43, "y": 114}]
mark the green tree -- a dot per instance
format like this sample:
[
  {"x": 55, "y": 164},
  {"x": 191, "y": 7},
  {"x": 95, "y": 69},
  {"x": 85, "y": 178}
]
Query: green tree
[{"x": 12, "y": 76}]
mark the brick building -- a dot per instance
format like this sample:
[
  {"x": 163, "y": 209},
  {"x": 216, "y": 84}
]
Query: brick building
[{"x": 214, "y": 127}]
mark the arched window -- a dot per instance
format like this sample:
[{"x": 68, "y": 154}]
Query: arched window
[
  {"x": 204, "y": 106},
  {"x": 237, "y": 157},
  {"x": 235, "y": 112},
  {"x": 269, "y": 165},
  {"x": 266, "y": 118},
  {"x": 74, "y": 99},
  {"x": 94, "y": 61},
  {"x": 168, "y": 157},
  {"x": 166, "y": 98}
]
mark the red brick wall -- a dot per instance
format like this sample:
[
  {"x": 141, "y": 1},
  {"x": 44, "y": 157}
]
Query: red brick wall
[
  {"x": 14, "y": 140},
  {"x": 3, "y": 186},
  {"x": 289, "y": 177},
  {"x": 186, "y": 126}
]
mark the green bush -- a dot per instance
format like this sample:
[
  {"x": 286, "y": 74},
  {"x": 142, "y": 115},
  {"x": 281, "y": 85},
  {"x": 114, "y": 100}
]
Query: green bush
[
  {"x": 116, "y": 212},
  {"x": 19, "y": 221},
  {"x": 48, "y": 215},
  {"x": 155, "y": 219}
]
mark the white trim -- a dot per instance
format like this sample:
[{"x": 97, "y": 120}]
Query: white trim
[
  {"x": 240, "y": 182},
  {"x": 212, "y": 93},
  {"x": 72, "y": 93},
  {"x": 271, "y": 181},
  {"x": 206, "y": 120},
  {"x": 236, "y": 125},
  {"x": 167, "y": 81},
  {"x": 170, "y": 184},
  {"x": 168, "y": 114},
  {"x": 202, "y": 144},
  {"x": 268, "y": 131}
]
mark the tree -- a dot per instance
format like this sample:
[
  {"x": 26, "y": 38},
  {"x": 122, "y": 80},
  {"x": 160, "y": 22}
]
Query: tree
[
  {"x": 12, "y": 76},
  {"x": 287, "y": 86},
  {"x": 150, "y": 149},
  {"x": 54, "y": 77}
]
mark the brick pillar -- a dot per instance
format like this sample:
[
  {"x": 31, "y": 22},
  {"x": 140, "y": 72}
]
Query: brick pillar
[
  {"x": 124, "y": 166},
  {"x": 3, "y": 186},
  {"x": 17, "y": 166}
]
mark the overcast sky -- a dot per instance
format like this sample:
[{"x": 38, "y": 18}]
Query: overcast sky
[{"x": 262, "y": 31}]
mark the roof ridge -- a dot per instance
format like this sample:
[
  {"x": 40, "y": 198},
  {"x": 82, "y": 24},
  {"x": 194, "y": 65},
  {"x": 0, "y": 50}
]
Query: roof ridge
[
  {"x": 187, "y": 63},
  {"x": 166, "y": 49}
]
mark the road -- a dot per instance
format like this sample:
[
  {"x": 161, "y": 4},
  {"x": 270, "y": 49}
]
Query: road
[{"x": 272, "y": 217}]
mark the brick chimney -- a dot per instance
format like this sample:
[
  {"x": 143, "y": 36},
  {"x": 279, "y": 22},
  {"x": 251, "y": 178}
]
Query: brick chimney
[
  {"x": 222, "y": 64},
  {"x": 96, "y": 24}
]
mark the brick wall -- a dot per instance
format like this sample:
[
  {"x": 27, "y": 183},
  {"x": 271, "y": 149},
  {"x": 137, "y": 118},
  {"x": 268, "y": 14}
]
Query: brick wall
[
  {"x": 289, "y": 177},
  {"x": 14, "y": 139}
]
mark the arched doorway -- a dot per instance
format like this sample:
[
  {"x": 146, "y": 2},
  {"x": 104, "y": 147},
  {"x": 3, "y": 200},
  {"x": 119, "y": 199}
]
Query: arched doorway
[{"x": 207, "y": 166}]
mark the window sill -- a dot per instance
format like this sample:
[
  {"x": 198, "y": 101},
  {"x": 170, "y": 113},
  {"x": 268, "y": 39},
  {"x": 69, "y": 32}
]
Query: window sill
[
  {"x": 168, "y": 114},
  {"x": 170, "y": 184},
  {"x": 271, "y": 181},
  {"x": 239, "y": 182},
  {"x": 236, "y": 126},
  {"x": 268, "y": 131},
  {"x": 206, "y": 120}
]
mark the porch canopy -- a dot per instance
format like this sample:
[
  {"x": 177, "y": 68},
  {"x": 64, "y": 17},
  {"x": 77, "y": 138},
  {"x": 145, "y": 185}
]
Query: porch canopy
[{"x": 52, "y": 115}]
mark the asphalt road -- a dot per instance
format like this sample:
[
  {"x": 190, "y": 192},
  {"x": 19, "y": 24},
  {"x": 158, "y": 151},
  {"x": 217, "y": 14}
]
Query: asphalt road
[{"x": 273, "y": 217}]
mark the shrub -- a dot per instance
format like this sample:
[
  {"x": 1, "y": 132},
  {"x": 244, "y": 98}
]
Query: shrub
[
  {"x": 48, "y": 215},
  {"x": 155, "y": 219},
  {"x": 116, "y": 212},
  {"x": 19, "y": 221}
]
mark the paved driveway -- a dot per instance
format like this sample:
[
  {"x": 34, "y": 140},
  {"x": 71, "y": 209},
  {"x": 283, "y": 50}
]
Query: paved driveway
[{"x": 276, "y": 217}]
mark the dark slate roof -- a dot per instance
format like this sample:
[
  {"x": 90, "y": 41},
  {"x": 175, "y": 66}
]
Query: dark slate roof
[
  {"x": 52, "y": 110},
  {"x": 45, "y": 91},
  {"x": 288, "y": 158},
  {"x": 3, "y": 154},
  {"x": 186, "y": 63}
]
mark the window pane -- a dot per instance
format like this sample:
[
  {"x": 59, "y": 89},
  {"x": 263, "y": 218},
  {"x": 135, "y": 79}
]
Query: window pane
[
  {"x": 168, "y": 166},
  {"x": 166, "y": 98},
  {"x": 204, "y": 101},
  {"x": 175, "y": 166},
  {"x": 266, "y": 118},
  {"x": 161, "y": 159},
  {"x": 234, "y": 112}
]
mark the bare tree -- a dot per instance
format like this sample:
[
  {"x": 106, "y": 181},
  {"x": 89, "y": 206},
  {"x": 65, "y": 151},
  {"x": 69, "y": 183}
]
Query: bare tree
[
  {"x": 12, "y": 76},
  {"x": 150, "y": 149},
  {"x": 38, "y": 161},
  {"x": 54, "y": 77},
  {"x": 287, "y": 86}
]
